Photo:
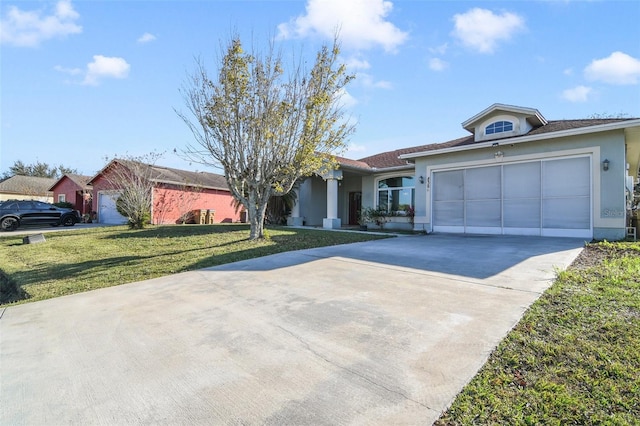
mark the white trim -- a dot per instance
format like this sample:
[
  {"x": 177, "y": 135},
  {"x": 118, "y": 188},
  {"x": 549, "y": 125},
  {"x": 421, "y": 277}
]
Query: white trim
[{"x": 506, "y": 108}]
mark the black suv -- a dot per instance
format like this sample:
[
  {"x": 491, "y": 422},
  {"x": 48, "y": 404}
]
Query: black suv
[{"x": 15, "y": 213}]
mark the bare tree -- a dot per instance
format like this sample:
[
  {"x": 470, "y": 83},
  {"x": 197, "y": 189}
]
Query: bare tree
[
  {"x": 264, "y": 127},
  {"x": 177, "y": 198},
  {"x": 132, "y": 176}
]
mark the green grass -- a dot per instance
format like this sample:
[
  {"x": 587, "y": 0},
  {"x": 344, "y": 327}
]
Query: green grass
[
  {"x": 80, "y": 260},
  {"x": 574, "y": 358}
]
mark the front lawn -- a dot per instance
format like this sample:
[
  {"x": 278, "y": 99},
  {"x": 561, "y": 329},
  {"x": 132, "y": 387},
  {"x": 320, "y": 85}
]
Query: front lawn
[
  {"x": 574, "y": 358},
  {"x": 80, "y": 260}
]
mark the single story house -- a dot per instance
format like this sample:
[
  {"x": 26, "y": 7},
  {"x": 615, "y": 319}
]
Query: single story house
[
  {"x": 74, "y": 189},
  {"x": 515, "y": 173},
  {"x": 176, "y": 195},
  {"x": 20, "y": 187}
]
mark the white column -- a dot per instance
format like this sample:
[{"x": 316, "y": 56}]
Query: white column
[
  {"x": 332, "y": 221},
  {"x": 294, "y": 219}
]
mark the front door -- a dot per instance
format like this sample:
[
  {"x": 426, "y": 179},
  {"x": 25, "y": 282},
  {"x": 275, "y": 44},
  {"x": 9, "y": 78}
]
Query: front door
[{"x": 355, "y": 204}]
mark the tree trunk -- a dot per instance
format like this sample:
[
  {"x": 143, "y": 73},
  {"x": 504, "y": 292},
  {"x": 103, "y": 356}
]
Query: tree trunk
[{"x": 256, "y": 212}]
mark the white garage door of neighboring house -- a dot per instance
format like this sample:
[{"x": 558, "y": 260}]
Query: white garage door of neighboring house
[
  {"x": 547, "y": 197},
  {"x": 107, "y": 212}
]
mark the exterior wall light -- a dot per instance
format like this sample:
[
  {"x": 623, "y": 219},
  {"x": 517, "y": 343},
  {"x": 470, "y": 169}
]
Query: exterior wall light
[
  {"x": 605, "y": 165},
  {"x": 421, "y": 179}
]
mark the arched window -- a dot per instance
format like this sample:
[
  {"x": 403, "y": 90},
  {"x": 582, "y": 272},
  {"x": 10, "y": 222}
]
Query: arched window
[
  {"x": 396, "y": 194},
  {"x": 498, "y": 127}
]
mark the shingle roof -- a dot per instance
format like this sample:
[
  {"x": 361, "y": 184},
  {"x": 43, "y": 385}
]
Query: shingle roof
[
  {"x": 559, "y": 125},
  {"x": 168, "y": 175},
  {"x": 182, "y": 177},
  {"x": 27, "y": 185},
  {"x": 352, "y": 163},
  {"x": 390, "y": 158},
  {"x": 80, "y": 180}
]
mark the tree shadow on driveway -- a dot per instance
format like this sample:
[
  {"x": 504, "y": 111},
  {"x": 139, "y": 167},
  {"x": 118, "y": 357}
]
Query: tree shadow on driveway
[{"x": 472, "y": 256}]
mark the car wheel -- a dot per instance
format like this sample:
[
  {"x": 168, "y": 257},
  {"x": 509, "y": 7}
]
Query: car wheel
[
  {"x": 9, "y": 224},
  {"x": 68, "y": 221}
]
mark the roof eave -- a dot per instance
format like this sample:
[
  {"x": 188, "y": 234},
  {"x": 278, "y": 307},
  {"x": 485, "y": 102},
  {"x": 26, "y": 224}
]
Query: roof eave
[
  {"x": 394, "y": 168},
  {"x": 194, "y": 185},
  {"x": 469, "y": 124},
  {"x": 618, "y": 125}
]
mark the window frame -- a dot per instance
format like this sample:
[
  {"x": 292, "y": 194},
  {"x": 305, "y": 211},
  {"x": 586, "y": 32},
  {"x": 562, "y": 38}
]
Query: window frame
[
  {"x": 493, "y": 129},
  {"x": 390, "y": 189}
]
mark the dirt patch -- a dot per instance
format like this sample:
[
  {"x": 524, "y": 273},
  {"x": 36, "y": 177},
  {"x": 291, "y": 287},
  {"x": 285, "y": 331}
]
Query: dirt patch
[{"x": 594, "y": 254}]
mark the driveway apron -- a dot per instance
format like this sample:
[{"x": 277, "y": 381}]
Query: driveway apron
[{"x": 382, "y": 332}]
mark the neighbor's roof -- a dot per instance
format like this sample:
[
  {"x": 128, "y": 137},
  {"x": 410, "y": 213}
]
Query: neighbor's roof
[
  {"x": 171, "y": 176},
  {"x": 185, "y": 177},
  {"x": 27, "y": 185},
  {"x": 80, "y": 180}
]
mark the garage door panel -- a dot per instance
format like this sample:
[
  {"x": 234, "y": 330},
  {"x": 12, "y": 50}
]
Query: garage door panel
[
  {"x": 522, "y": 180},
  {"x": 567, "y": 213},
  {"x": 484, "y": 213},
  {"x": 448, "y": 186},
  {"x": 449, "y": 213},
  {"x": 522, "y": 213},
  {"x": 107, "y": 211},
  {"x": 566, "y": 178},
  {"x": 482, "y": 183}
]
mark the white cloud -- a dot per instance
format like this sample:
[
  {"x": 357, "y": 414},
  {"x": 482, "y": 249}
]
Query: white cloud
[
  {"x": 367, "y": 80},
  {"x": 481, "y": 29},
  {"x": 105, "y": 67},
  {"x": 439, "y": 50},
  {"x": 577, "y": 94},
  {"x": 146, "y": 38},
  {"x": 355, "y": 64},
  {"x": 30, "y": 28},
  {"x": 361, "y": 24},
  {"x": 618, "y": 68},
  {"x": 437, "y": 64},
  {"x": 70, "y": 71},
  {"x": 568, "y": 71},
  {"x": 345, "y": 99}
]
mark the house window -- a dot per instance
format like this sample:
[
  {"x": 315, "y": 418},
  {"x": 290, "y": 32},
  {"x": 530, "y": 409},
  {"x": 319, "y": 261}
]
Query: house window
[
  {"x": 62, "y": 198},
  {"x": 396, "y": 194},
  {"x": 498, "y": 127}
]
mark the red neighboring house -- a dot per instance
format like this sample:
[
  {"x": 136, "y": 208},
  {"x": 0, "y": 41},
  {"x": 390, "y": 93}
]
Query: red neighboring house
[
  {"x": 176, "y": 195},
  {"x": 73, "y": 189}
]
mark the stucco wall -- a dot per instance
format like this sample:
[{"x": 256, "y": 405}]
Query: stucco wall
[
  {"x": 313, "y": 201},
  {"x": 70, "y": 190},
  {"x": 608, "y": 194},
  {"x": 171, "y": 203}
]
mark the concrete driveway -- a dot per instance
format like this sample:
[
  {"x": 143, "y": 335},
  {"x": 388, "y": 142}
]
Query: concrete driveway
[{"x": 382, "y": 332}]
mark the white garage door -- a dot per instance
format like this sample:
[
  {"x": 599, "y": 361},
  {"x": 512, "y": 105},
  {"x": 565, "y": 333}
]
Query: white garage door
[
  {"x": 107, "y": 212},
  {"x": 548, "y": 197}
]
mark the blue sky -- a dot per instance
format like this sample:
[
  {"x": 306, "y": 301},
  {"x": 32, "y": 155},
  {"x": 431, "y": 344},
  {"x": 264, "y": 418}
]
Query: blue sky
[{"x": 83, "y": 81}]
